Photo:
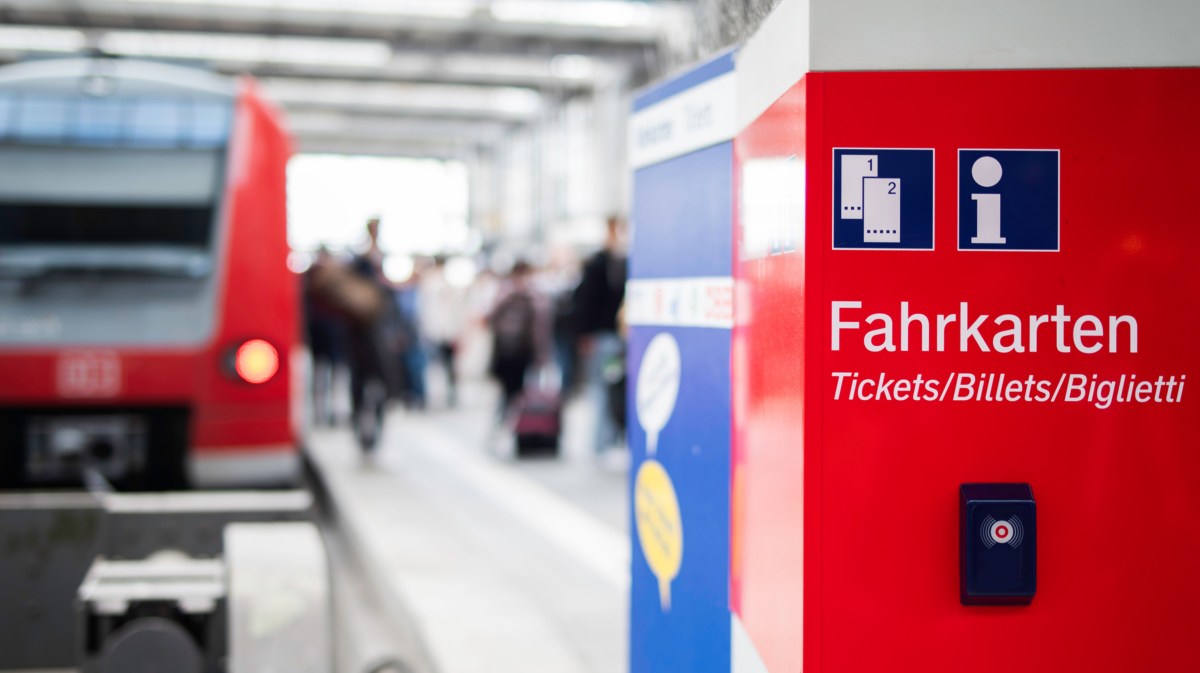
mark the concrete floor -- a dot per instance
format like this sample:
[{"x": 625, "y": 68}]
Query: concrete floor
[{"x": 477, "y": 561}]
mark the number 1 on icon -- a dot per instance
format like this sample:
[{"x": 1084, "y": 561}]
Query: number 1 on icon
[{"x": 854, "y": 168}]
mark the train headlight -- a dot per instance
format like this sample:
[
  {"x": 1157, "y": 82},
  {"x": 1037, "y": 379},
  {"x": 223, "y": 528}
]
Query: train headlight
[{"x": 256, "y": 361}]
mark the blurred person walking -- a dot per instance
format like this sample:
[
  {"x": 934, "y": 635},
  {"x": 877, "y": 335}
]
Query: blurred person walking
[
  {"x": 560, "y": 281},
  {"x": 598, "y": 300},
  {"x": 519, "y": 334},
  {"x": 443, "y": 318},
  {"x": 325, "y": 329},
  {"x": 532, "y": 403},
  {"x": 412, "y": 357},
  {"x": 371, "y": 377},
  {"x": 474, "y": 350}
]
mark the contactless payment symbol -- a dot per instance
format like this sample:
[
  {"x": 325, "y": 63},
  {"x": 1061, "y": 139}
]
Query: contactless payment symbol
[
  {"x": 1008, "y": 531},
  {"x": 1008, "y": 200},
  {"x": 883, "y": 199}
]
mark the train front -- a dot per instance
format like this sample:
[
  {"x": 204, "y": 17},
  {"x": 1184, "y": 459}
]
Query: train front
[{"x": 147, "y": 316}]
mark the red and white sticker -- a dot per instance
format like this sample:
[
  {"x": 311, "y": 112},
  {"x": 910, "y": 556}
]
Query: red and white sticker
[{"x": 680, "y": 302}]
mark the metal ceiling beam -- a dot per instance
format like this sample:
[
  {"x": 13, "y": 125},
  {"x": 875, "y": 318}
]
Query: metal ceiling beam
[
  {"x": 429, "y": 101},
  {"x": 403, "y": 74},
  {"x": 388, "y": 149},
  {"x": 330, "y": 58},
  {"x": 321, "y": 125},
  {"x": 266, "y": 20},
  {"x": 547, "y": 84},
  {"x": 460, "y": 115}
]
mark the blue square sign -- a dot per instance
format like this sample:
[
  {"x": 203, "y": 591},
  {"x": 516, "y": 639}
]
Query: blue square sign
[
  {"x": 882, "y": 199},
  {"x": 1008, "y": 200}
]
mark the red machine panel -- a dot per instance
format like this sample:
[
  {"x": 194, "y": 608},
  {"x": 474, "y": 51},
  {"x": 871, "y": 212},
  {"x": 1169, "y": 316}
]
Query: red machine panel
[
  {"x": 1044, "y": 334},
  {"x": 767, "y": 534}
]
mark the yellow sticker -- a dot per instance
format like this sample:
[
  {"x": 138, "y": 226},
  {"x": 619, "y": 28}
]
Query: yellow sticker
[{"x": 659, "y": 526}]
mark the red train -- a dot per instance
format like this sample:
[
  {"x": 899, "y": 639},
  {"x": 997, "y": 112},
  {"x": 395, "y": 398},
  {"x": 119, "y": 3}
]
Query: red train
[{"x": 149, "y": 325}]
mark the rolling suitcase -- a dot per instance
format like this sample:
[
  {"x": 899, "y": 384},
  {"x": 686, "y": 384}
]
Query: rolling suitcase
[{"x": 538, "y": 418}]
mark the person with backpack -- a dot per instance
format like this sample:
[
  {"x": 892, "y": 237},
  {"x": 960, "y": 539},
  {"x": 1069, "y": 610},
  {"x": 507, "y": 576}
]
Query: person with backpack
[
  {"x": 372, "y": 372},
  {"x": 325, "y": 329},
  {"x": 518, "y": 326}
]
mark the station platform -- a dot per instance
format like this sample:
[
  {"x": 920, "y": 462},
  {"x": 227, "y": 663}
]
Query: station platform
[{"x": 484, "y": 562}]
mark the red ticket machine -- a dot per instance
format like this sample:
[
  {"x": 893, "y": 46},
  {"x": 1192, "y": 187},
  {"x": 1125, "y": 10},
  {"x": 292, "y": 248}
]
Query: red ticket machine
[{"x": 964, "y": 434}]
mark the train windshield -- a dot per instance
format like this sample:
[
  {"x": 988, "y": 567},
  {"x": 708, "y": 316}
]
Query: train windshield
[
  {"x": 111, "y": 191},
  {"x": 109, "y": 186}
]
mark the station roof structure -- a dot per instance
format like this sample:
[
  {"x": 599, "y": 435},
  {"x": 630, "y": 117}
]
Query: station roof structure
[{"x": 402, "y": 77}]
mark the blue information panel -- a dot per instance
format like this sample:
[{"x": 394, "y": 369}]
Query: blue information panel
[
  {"x": 679, "y": 305},
  {"x": 680, "y": 614}
]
